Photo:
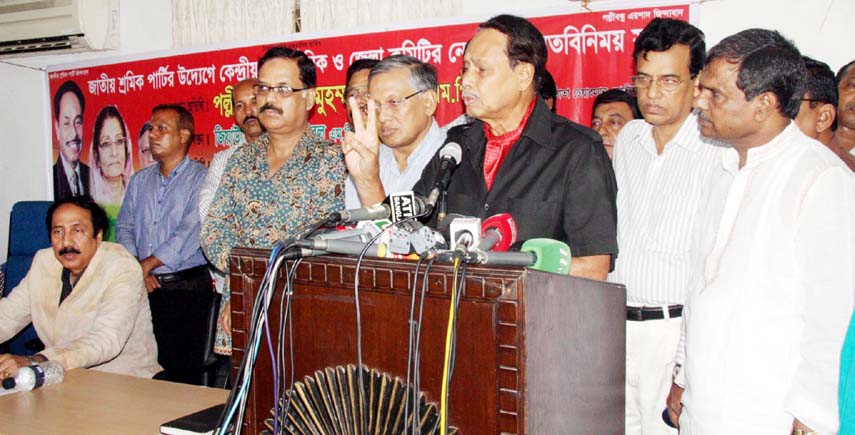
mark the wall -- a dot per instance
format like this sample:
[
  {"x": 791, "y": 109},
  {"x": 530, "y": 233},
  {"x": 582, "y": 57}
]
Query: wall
[
  {"x": 25, "y": 119},
  {"x": 819, "y": 28}
]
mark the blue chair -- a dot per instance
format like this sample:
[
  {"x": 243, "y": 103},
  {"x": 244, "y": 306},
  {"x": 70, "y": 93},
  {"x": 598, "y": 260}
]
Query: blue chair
[{"x": 27, "y": 235}]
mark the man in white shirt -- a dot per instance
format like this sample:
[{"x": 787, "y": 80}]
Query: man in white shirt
[
  {"x": 405, "y": 92},
  {"x": 765, "y": 325},
  {"x": 246, "y": 118},
  {"x": 663, "y": 168}
]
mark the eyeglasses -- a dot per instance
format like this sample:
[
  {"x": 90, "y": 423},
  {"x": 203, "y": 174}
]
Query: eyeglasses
[
  {"x": 107, "y": 144},
  {"x": 397, "y": 104},
  {"x": 667, "y": 83},
  {"x": 357, "y": 93},
  {"x": 284, "y": 91}
]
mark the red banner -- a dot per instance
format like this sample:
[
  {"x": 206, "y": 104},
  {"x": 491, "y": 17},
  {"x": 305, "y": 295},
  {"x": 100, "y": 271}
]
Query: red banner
[{"x": 588, "y": 54}]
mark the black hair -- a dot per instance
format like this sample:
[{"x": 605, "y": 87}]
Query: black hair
[
  {"x": 617, "y": 95},
  {"x": 359, "y": 65},
  {"x": 108, "y": 112},
  {"x": 185, "y": 118},
  {"x": 842, "y": 71},
  {"x": 145, "y": 127},
  {"x": 767, "y": 62},
  {"x": 820, "y": 85},
  {"x": 663, "y": 33},
  {"x": 308, "y": 75},
  {"x": 100, "y": 221},
  {"x": 548, "y": 89},
  {"x": 525, "y": 43},
  {"x": 68, "y": 86}
]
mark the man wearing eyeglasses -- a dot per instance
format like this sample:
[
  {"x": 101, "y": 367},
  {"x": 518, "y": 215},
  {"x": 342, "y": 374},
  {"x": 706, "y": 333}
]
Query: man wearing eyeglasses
[
  {"x": 663, "y": 167},
  {"x": 404, "y": 90},
  {"x": 286, "y": 179},
  {"x": 159, "y": 225}
]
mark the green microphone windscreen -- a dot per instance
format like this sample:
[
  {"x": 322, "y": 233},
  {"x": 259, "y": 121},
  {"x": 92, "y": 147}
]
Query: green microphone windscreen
[{"x": 552, "y": 255}]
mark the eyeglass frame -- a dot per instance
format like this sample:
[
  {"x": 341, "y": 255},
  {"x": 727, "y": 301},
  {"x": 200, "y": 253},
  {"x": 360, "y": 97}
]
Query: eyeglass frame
[
  {"x": 393, "y": 105},
  {"x": 106, "y": 145},
  {"x": 665, "y": 87},
  {"x": 278, "y": 90}
]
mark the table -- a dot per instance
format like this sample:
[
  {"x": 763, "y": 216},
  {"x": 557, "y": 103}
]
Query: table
[{"x": 95, "y": 402}]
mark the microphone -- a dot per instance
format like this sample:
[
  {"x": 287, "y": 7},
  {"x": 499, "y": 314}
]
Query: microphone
[
  {"x": 465, "y": 233},
  {"x": 342, "y": 247},
  {"x": 552, "y": 255},
  {"x": 449, "y": 157},
  {"x": 35, "y": 376},
  {"x": 403, "y": 203},
  {"x": 498, "y": 233},
  {"x": 546, "y": 255}
]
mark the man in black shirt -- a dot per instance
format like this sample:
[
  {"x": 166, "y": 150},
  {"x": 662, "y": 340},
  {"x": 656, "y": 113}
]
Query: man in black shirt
[{"x": 553, "y": 176}]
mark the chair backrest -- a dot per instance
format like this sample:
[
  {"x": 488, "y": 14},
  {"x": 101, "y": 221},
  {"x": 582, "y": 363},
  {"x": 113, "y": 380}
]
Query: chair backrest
[{"x": 27, "y": 234}]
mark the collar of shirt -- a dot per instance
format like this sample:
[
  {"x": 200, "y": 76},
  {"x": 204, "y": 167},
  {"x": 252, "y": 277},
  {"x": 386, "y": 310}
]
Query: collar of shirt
[
  {"x": 759, "y": 154},
  {"x": 66, "y": 165},
  {"x": 685, "y": 137},
  {"x": 498, "y": 147},
  {"x": 175, "y": 171},
  {"x": 424, "y": 152}
]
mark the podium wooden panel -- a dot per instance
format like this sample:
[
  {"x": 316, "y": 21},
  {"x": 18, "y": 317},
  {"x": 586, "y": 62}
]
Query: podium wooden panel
[{"x": 537, "y": 353}]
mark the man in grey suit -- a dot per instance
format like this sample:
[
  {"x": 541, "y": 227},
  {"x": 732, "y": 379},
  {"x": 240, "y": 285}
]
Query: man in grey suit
[{"x": 70, "y": 175}]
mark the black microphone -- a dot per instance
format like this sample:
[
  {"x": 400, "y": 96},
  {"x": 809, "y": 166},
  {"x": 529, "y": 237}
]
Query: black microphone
[
  {"x": 342, "y": 247},
  {"x": 404, "y": 205},
  {"x": 449, "y": 157}
]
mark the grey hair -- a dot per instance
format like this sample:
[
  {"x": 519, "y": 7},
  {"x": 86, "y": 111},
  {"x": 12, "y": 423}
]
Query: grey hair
[{"x": 422, "y": 75}]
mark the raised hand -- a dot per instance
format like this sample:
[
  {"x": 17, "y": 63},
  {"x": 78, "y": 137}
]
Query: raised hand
[{"x": 361, "y": 150}]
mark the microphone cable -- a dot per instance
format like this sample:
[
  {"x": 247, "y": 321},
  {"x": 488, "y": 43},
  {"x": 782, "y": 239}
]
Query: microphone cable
[
  {"x": 411, "y": 342},
  {"x": 283, "y": 406},
  {"x": 416, "y": 424},
  {"x": 360, "y": 365}
]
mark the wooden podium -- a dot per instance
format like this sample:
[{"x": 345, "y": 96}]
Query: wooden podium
[{"x": 537, "y": 353}]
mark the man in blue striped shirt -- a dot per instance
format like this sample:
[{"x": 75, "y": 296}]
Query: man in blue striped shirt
[{"x": 159, "y": 225}]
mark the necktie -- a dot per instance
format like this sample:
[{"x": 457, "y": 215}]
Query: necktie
[
  {"x": 74, "y": 183},
  {"x": 66, "y": 285}
]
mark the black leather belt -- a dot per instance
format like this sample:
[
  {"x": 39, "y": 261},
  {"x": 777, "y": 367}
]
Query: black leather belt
[
  {"x": 640, "y": 314},
  {"x": 181, "y": 275}
]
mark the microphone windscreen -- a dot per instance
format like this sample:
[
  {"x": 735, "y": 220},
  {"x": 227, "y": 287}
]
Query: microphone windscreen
[
  {"x": 506, "y": 226},
  {"x": 451, "y": 150},
  {"x": 552, "y": 255}
]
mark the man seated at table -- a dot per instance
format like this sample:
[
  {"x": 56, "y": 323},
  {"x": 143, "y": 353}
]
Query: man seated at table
[{"x": 86, "y": 299}]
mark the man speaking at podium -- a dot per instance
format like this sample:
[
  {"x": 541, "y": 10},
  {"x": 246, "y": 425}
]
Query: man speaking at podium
[{"x": 552, "y": 175}]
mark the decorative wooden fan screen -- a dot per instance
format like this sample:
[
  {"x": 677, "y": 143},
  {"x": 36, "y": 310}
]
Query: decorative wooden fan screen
[{"x": 328, "y": 404}]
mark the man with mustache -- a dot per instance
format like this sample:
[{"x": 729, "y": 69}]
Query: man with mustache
[
  {"x": 613, "y": 109},
  {"x": 84, "y": 296},
  {"x": 246, "y": 118},
  {"x": 405, "y": 94},
  {"x": 159, "y": 225},
  {"x": 844, "y": 136},
  {"x": 553, "y": 176},
  {"x": 286, "y": 179},
  {"x": 70, "y": 175},
  {"x": 663, "y": 168},
  {"x": 764, "y": 324}
]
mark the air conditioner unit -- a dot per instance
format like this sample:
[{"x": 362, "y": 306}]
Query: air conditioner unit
[{"x": 29, "y": 27}]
